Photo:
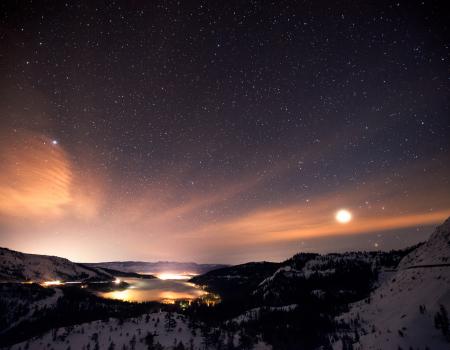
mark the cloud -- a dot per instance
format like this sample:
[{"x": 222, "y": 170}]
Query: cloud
[
  {"x": 290, "y": 224},
  {"x": 374, "y": 211},
  {"x": 38, "y": 180},
  {"x": 36, "y": 176},
  {"x": 53, "y": 203}
]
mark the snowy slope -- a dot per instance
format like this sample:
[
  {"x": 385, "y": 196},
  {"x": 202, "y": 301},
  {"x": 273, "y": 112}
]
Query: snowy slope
[
  {"x": 17, "y": 309},
  {"x": 434, "y": 252},
  {"x": 16, "y": 266},
  {"x": 132, "y": 333},
  {"x": 325, "y": 267},
  {"x": 254, "y": 314},
  {"x": 401, "y": 312},
  {"x": 120, "y": 333}
]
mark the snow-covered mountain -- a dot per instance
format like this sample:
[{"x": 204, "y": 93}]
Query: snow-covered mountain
[
  {"x": 409, "y": 310},
  {"x": 24, "y": 303},
  {"x": 435, "y": 251},
  {"x": 351, "y": 274},
  {"x": 357, "y": 300},
  {"x": 165, "y": 329},
  {"x": 18, "y": 267},
  {"x": 158, "y": 331}
]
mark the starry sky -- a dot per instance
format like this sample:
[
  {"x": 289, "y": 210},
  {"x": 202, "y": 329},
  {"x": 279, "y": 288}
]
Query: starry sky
[{"x": 222, "y": 131}]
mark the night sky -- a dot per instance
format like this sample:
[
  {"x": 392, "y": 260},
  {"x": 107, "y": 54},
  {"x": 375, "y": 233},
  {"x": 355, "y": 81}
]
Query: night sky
[{"x": 222, "y": 131}]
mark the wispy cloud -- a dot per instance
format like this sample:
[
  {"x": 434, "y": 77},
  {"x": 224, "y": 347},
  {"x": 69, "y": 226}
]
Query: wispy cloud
[
  {"x": 39, "y": 180},
  {"x": 49, "y": 196}
]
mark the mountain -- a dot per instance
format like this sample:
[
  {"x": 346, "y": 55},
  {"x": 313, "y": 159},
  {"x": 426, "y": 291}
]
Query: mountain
[
  {"x": 292, "y": 304},
  {"x": 436, "y": 251},
  {"x": 19, "y": 267},
  {"x": 410, "y": 309},
  {"x": 117, "y": 273},
  {"x": 144, "y": 267},
  {"x": 275, "y": 284},
  {"x": 157, "y": 331},
  {"x": 24, "y": 303},
  {"x": 339, "y": 277},
  {"x": 238, "y": 279},
  {"x": 356, "y": 300}
]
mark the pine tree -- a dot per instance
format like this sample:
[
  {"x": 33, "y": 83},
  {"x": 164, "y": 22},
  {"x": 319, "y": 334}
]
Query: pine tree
[
  {"x": 149, "y": 340},
  {"x": 170, "y": 322},
  {"x": 441, "y": 321},
  {"x": 180, "y": 346},
  {"x": 133, "y": 342}
]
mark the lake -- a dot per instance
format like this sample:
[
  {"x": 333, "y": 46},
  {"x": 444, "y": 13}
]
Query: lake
[{"x": 165, "y": 291}]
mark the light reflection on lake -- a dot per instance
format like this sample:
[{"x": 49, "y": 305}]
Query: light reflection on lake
[{"x": 141, "y": 290}]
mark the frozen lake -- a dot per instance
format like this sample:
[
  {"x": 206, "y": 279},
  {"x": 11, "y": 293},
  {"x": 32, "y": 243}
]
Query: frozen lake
[{"x": 166, "y": 291}]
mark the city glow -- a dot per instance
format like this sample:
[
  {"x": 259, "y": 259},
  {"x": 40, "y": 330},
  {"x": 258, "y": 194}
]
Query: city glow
[
  {"x": 173, "y": 276},
  {"x": 52, "y": 283},
  {"x": 174, "y": 295},
  {"x": 167, "y": 291},
  {"x": 123, "y": 295}
]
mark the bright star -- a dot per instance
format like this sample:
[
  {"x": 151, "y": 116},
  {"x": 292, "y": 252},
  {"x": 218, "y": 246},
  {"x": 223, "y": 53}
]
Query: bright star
[{"x": 54, "y": 142}]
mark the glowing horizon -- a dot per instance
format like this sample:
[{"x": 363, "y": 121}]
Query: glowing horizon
[
  {"x": 173, "y": 275},
  {"x": 72, "y": 214},
  {"x": 224, "y": 140}
]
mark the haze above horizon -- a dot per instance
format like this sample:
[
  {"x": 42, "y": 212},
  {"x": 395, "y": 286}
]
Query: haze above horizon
[{"x": 222, "y": 132}]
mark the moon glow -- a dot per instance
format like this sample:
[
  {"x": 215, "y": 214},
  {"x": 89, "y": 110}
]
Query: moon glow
[{"x": 343, "y": 216}]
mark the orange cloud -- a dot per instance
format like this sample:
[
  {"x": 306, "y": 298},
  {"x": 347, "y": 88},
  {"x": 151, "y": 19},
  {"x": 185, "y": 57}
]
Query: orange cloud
[
  {"x": 35, "y": 178},
  {"x": 39, "y": 180},
  {"x": 289, "y": 224},
  {"x": 315, "y": 218},
  {"x": 71, "y": 209}
]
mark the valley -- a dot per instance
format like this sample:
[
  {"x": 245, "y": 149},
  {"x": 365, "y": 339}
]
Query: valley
[{"x": 351, "y": 300}]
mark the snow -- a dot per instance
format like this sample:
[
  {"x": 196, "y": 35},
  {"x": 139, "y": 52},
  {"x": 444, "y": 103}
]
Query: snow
[
  {"x": 253, "y": 314},
  {"x": 400, "y": 313},
  {"x": 319, "y": 293},
  {"x": 34, "y": 307},
  {"x": 286, "y": 271},
  {"x": 86, "y": 335},
  {"x": 112, "y": 330},
  {"x": 435, "y": 251},
  {"x": 16, "y": 266}
]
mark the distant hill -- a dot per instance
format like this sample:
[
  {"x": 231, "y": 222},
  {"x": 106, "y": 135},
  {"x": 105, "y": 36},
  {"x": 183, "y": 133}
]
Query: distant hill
[
  {"x": 235, "y": 281},
  {"x": 19, "y": 267},
  {"x": 144, "y": 267}
]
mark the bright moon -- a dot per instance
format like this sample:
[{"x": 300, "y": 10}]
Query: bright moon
[{"x": 343, "y": 216}]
